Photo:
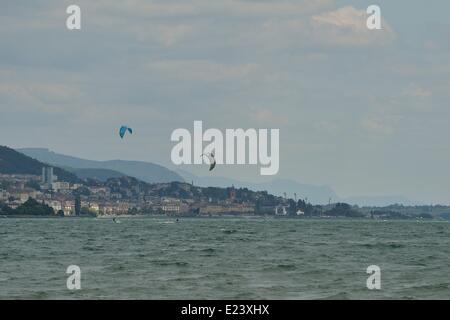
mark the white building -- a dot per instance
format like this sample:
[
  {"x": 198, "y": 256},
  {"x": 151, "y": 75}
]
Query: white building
[
  {"x": 280, "y": 210},
  {"x": 56, "y": 205},
  {"x": 60, "y": 185}
]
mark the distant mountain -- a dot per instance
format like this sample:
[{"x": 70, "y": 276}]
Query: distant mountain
[
  {"x": 315, "y": 194},
  {"x": 97, "y": 174},
  {"x": 153, "y": 173},
  {"x": 380, "y": 201},
  {"x": 13, "y": 162},
  {"x": 145, "y": 171}
]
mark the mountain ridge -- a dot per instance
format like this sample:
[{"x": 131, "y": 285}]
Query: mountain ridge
[
  {"x": 14, "y": 162},
  {"x": 315, "y": 194},
  {"x": 153, "y": 173},
  {"x": 145, "y": 171}
]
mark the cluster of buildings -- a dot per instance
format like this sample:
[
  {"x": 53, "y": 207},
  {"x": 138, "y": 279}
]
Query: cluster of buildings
[
  {"x": 103, "y": 200},
  {"x": 16, "y": 189}
]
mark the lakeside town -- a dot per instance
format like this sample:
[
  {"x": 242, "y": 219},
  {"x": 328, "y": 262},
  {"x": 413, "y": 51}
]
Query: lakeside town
[
  {"x": 127, "y": 195},
  {"x": 22, "y": 194}
]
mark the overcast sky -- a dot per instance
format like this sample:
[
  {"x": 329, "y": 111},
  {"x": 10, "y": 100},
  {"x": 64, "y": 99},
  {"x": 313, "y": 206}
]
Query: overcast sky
[{"x": 365, "y": 112}]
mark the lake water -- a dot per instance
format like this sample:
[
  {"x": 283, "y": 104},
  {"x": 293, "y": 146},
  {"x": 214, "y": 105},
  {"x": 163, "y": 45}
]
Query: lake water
[{"x": 223, "y": 258}]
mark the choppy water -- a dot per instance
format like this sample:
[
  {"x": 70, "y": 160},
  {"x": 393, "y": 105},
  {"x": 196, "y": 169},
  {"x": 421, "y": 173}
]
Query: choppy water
[{"x": 150, "y": 258}]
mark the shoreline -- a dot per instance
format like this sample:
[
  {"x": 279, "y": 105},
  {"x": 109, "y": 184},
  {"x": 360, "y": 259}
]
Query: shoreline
[{"x": 153, "y": 216}]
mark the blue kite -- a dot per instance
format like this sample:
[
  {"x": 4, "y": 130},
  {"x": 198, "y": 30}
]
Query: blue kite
[{"x": 123, "y": 130}]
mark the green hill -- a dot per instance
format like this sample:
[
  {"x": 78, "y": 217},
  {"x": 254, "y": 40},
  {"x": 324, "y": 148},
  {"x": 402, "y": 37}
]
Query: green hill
[{"x": 13, "y": 162}]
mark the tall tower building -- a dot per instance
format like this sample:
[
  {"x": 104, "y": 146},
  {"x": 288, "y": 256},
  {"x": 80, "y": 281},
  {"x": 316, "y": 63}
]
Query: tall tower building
[{"x": 47, "y": 175}]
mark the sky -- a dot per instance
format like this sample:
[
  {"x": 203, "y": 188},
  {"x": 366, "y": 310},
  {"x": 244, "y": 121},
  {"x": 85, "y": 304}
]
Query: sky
[{"x": 365, "y": 112}]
